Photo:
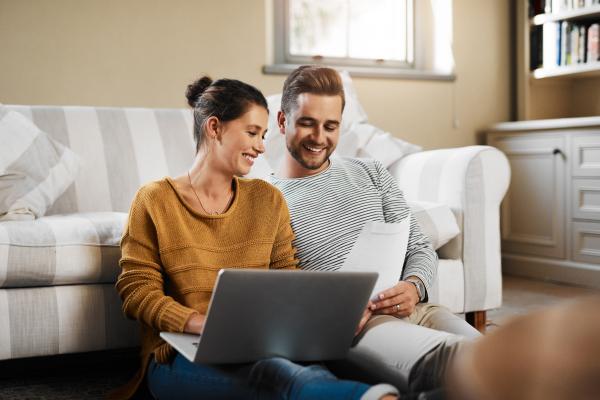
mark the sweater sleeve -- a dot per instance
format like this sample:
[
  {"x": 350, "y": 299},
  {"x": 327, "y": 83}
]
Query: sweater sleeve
[
  {"x": 421, "y": 259},
  {"x": 283, "y": 254},
  {"x": 141, "y": 281}
]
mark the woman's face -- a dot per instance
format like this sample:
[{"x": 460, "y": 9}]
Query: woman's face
[{"x": 241, "y": 141}]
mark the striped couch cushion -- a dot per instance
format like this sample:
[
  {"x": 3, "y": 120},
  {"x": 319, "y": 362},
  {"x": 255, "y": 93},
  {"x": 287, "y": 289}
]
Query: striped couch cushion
[
  {"x": 120, "y": 148},
  {"x": 448, "y": 288},
  {"x": 34, "y": 169},
  {"x": 63, "y": 319},
  {"x": 61, "y": 249}
]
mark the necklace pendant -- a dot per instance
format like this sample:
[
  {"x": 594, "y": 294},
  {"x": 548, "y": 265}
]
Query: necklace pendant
[{"x": 217, "y": 212}]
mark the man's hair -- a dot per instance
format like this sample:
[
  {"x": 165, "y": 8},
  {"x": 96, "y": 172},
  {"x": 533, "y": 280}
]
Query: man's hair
[{"x": 311, "y": 79}]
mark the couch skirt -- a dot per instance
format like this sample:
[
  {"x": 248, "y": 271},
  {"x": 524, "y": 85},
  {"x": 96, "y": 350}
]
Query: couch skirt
[{"x": 63, "y": 319}]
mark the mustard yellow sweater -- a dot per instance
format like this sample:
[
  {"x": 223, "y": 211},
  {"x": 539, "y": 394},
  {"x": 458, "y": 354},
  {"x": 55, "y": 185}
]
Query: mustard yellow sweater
[{"x": 171, "y": 255}]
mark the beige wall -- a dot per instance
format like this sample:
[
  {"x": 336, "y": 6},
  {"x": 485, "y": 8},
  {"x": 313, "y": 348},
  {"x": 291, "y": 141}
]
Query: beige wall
[
  {"x": 585, "y": 97},
  {"x": 564, "y": 98},
  {"x": 550, "y": 98},
  {"x": 144, "y": 52}
]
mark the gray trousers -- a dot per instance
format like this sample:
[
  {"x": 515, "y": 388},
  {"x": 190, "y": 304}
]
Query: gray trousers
[{"x": 412, "y": 353}]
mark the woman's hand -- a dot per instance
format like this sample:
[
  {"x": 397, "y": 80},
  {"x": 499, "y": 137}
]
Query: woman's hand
[
  {"x": 363, "y": 321},
  {"x": 399, "y": 300},
  {"x": 195, "y": 324}
]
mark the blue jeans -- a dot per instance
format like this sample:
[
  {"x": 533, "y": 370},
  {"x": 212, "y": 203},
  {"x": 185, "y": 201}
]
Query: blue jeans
[{"x": 274, "y": 378}]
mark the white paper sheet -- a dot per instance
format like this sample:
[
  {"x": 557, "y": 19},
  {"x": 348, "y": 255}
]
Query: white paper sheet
[{"x": 380, "y": 247}]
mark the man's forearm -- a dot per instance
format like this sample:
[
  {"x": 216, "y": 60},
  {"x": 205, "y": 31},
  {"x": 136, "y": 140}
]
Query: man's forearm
[
  {"x": 423, "y": 267},
  {"x": 419, "y": 287}
]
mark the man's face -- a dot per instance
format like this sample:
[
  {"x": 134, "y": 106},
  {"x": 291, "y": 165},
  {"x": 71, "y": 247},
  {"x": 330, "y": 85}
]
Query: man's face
[{"x": 312, "y": 130}]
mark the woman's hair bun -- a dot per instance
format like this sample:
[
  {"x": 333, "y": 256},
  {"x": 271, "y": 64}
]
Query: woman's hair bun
[{"x": 195, "y": 90}]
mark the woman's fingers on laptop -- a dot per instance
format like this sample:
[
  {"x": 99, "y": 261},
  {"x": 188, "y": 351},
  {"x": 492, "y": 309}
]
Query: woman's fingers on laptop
[
  {"x": 363, "y": 321},
  {"x": 195, "y": 323}
]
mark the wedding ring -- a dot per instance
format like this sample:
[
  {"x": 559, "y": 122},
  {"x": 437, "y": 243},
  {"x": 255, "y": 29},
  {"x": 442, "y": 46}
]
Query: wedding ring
[{"x": 397, "y": 307}]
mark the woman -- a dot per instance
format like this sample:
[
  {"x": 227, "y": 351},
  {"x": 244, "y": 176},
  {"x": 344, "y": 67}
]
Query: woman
[{"x": 181, "y": 231}]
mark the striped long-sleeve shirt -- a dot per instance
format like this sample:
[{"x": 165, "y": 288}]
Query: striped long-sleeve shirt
[{"x": 328, "y": 212}]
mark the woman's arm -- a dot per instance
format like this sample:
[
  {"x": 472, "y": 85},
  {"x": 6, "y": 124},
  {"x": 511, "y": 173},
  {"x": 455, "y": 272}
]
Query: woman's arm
[
  {"x": 141, "y": 282},
  {"x": 283, "y": 254}
]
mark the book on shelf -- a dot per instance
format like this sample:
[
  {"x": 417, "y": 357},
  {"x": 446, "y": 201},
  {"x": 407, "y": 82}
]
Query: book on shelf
[
  {"x": 565, "y": 56},
  {"x": 557, "y": 6},
  {"x": 562, "y": 43},
  {"x": 574, "y": 48},
  {"x": 581, "y": 44},
  {"x": 536, "y": 51},
  {"x": 551, "y": 37},
  {"x": 538, "y": 7},
  {"x": 593, "y": 43}
]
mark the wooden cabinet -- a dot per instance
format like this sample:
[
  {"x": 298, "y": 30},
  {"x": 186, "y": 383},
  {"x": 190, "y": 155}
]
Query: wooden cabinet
[
  {"x": 551, "y": 214},
  {"x": 533, "y": 209}
]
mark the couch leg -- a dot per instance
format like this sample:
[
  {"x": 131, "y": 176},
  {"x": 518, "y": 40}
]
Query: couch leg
[{"x": 477, "y": 320}]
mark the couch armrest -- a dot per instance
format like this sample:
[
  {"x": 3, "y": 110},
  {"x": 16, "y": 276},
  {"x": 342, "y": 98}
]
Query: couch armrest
[{"x": 472, "y": 180}]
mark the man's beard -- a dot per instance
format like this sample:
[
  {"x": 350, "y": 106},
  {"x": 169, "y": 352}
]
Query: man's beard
[{"x": 296, "y": 153}]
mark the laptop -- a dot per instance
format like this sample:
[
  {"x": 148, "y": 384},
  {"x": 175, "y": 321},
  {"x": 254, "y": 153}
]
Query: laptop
[{"x": 299, "y": 315}]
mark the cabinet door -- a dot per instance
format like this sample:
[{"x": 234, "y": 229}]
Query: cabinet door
[
  {"x": 533, "y": 211},
  {"x": 586, "y": 155},
  {"x": 586, "y": 199},
  {"x": 586, "y": 242}
]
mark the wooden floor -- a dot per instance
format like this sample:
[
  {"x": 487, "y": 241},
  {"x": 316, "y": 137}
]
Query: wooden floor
[
  {"x": 521, "y": 295},
  {"x": 92, "y": 375}
]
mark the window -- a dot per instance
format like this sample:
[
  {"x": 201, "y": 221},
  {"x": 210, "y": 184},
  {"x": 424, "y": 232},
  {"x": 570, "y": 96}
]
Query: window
[
  {"x": 366, "y": 37},
  {"x": 350, "y": 32}
]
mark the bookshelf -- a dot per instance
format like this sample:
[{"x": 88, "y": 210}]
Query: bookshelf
[
  {"x": 574, "y": 71},
  {"x": 550, "y": 221},
  {"x": 556, "y": 76},
  {"x": 567, "y": 15},
  {"x": 563, "y": 39}
]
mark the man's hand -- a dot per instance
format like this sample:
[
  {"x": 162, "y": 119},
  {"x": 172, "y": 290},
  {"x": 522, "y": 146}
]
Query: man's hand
[
  {"x": 399, "y": 300},
  {"x": 363, "y": 321}
]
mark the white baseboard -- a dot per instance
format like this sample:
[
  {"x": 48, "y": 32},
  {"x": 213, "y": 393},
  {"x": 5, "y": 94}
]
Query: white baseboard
[{"x": 560, "y": 271}]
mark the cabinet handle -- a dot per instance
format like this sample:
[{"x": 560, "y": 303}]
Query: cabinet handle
[{"x": 559, "y": 151}]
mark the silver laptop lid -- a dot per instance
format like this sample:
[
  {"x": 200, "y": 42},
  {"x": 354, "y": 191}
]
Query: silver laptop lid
[{"x": 299, "y": 315}]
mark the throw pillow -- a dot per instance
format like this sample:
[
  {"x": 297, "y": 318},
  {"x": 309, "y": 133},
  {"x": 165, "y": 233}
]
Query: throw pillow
[
  {"x": 437, "y": 221},
  {"x": 34, "y": 169}
]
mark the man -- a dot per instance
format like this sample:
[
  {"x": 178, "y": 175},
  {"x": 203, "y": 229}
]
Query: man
[{"x": 330, "y": 200}]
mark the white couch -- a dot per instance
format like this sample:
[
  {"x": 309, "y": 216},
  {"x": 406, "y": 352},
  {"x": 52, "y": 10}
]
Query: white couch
[
  {"x": 472, "y": 180},
  {"x": 57, "y": 273}
]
